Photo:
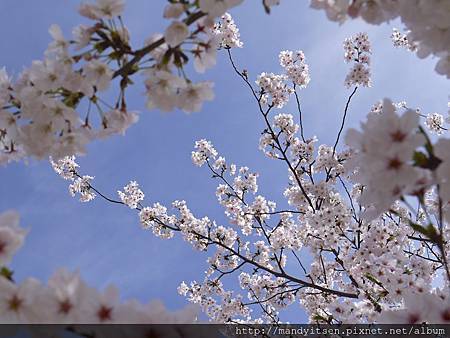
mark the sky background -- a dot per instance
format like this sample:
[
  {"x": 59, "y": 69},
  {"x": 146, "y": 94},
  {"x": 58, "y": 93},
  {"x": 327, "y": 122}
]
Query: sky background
[{"x": 105, "y": 241}]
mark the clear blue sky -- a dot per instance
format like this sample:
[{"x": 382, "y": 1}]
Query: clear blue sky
[{"x": 105, "y": 241}]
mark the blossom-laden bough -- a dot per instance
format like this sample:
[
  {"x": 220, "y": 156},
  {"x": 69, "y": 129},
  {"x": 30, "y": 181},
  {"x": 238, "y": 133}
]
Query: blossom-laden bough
[
  {"x": 348, "y": 249},
  {"x": 48, "y": 110}
]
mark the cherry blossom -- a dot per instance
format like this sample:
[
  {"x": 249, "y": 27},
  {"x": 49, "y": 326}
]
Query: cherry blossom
[
  {"x": 82, "y": 186},
  {"x": 357, "y": 50},
  {"x": 176, "y": 33},
  {"x": 192, "y": 96},
  {"x": 107, "y": 9},
  {"x": 11, "y": 236},
  {"x": 401, "y": 40},
  {"x": 216, "y": 8},
  {"x": 174, "y": 10},
  {"x": 276, "y": 91},
  {"x": 228, "y": 32},
  {"x": 132, "y": 195},
  {"x": 296, "y": 68},
  {"x": 385, "y": 149},
  {"x": 435, "y": 122}
]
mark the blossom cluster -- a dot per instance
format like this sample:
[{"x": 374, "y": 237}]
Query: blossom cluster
[
  {"x": 132, "y": 195},
  {"x": 275, "y": 89},
  {"x": 228, "y": 32},
  {"x": 45, "y": 101},
  {"x": 357, "y": 50},
  {"x": 401, "y": 40},
  {"x": 67, "y": 169},
  {"x": 167, "y": 90},
  {"x": 82, "y": 186},
  {"x": 442, "y": 172},
  {"x": 296, "y": 68},
  {"x": 410, "y": 166},
  {"x": 435, "y": 122},
  {"x": 68, "y": 299}
]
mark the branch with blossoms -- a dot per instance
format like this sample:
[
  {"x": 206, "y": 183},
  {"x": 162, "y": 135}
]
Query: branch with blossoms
[
  {"x": 47, "y": 111},
  {"x": 358, "y": 75},
  {"x": 50, "y": 109},
  {"x": 232, "y": 252},
  {"x": 365, "y": 245},
  {"x": 201, "y": 234}
]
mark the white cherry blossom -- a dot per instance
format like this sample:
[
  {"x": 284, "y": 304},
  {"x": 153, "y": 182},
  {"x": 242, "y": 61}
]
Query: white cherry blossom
[{"x": 11, "y": 236}]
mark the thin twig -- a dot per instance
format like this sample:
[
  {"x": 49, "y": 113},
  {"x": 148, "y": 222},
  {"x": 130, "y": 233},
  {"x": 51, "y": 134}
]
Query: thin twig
[{"x": 343, "y": 119}]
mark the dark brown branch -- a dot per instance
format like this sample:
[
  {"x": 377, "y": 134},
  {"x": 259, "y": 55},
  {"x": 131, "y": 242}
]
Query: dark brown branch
[
  {"x": 299, "y": 113},
  {"x": 343, "y": 119},
  {"x": 139, "y": 54}
]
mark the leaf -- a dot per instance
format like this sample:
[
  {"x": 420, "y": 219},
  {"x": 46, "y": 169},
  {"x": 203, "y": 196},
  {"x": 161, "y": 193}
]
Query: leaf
[
  {"x": 115, "y": 55},
  {"x": 418, "y": 228},
  {"x": 7, "y": 273},
  {"x": 318, "y": 317},
  {"x": 373, "y": 279},
  {"x": 427, "y": 162},
  {"x": 433, "y": 234},
  {"x": 116, "y": 38},
  {"x": 73, "y": 99},
  {"x": 167, "y": 56},
  {"x": 420, "y": 159},
  {"x": 429, "y": 231},
  {"x": 134, "y": 69},
  {"x": 101, "y": 46}
]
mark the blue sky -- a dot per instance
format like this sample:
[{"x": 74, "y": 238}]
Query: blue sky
[{"x": 105, "y": 241}]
